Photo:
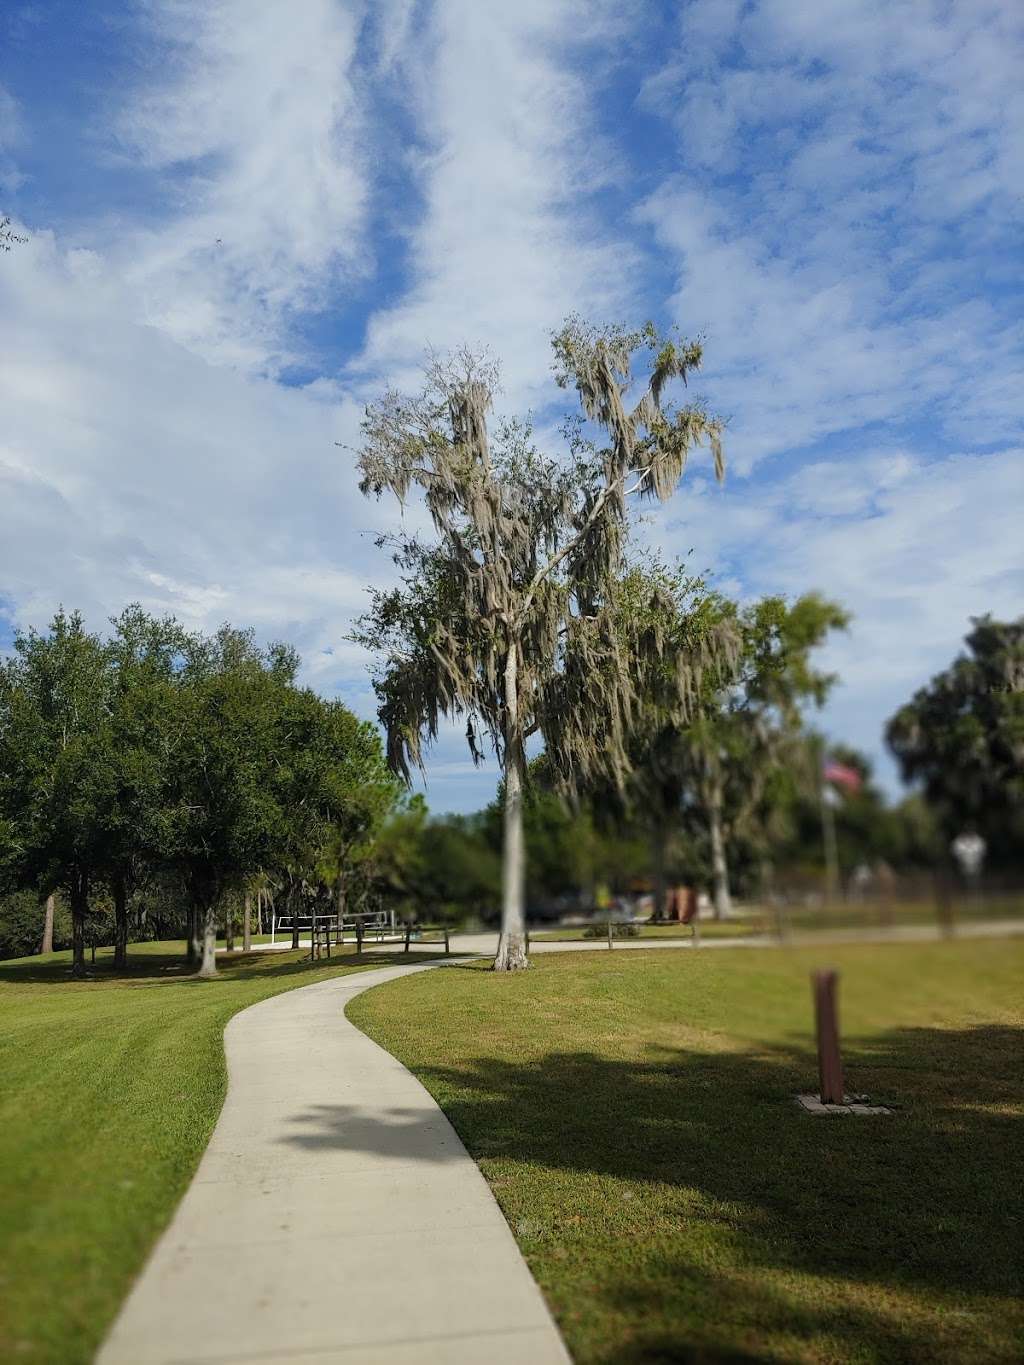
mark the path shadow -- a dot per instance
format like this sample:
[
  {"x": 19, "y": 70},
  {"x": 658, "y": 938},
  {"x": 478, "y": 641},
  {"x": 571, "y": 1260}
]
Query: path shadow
[{"x": 403, "y": 1134}]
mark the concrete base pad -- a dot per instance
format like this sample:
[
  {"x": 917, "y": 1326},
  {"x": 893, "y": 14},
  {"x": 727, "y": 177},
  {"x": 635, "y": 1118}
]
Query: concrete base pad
[{"x": 852, "y": 1104}]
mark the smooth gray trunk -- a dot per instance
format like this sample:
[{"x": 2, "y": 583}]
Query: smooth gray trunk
[
  {"x": 719, "y": 865},
  {"x": 208, "y": 966},
  {"x": 512, "y": 945},
  {"x": 47, "y": 944},
  {"x": 229, "y": 925}
]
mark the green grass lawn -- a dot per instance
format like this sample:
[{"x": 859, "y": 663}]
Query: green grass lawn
[
  {"x": 633, "y": 1113},
  {"x": 109, "y": 1090}
]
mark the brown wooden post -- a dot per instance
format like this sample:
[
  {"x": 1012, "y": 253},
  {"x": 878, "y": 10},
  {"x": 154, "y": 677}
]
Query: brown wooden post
[
  {"x": 408, "y": 932},
  {"x": 359, "y": 935},
  {"x": 609, "y": 928},
  {"x": 825, "y": 984}
]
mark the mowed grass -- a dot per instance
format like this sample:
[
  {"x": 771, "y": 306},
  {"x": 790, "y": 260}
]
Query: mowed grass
[
  {"x": 634, "y": 1115},
  {"x": 109, "y": 1090}
]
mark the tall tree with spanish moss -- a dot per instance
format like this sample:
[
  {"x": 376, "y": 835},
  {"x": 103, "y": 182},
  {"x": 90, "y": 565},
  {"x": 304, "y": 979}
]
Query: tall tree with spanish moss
[{"x": 509, "y": 618}]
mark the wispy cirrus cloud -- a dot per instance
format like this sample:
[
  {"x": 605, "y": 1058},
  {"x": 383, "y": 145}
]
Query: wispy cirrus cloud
[
  {"x": 253, "y": 117},
  {"x": 509, "y": 239},
  {"x": 845, "y": 202}
]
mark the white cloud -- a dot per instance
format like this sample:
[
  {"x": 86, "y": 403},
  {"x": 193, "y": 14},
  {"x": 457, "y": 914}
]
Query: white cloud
[
  {"x": 508, "y": 243},
  {"x": 844, "y": 167},
  {"x": 254, "y": 116},
  {"x": 132, "y": 469}
]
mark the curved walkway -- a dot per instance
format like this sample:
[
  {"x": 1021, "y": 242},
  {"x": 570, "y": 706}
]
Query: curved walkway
[{"x": 334, "y": 1217}]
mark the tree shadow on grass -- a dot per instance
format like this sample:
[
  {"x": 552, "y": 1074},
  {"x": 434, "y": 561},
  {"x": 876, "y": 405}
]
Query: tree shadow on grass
[
  {"x": 758, "y": 1229},
  {"x": 149, "y": 967}
]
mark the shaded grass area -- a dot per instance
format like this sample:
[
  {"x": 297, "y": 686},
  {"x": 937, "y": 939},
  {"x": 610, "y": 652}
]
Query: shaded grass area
[
  {"x": 633, "y": 1114},
  {"x": 109, "y": 1090}
]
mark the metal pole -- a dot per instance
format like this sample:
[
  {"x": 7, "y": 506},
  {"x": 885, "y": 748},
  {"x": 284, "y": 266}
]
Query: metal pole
[{"x": 825, "y": 984}]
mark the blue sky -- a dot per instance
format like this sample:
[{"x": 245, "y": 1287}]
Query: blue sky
[{"x": 246, "y": 218}]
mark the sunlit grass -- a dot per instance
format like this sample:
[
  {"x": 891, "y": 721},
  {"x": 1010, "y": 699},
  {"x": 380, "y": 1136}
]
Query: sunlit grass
[{"x": 633, "y": 1113}]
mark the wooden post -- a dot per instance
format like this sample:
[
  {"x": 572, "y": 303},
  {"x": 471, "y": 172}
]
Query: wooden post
[
  {"x": 825, "y": 985},
  {"x": 408, "y": 932},
  {"x": 359, "y": 935},
  {"x": 447, "y": 949},
  {"x": 609, "y": 929}
]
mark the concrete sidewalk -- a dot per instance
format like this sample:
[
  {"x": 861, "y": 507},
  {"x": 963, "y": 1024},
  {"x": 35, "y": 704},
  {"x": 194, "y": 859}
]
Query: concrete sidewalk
[{"x": 335, "y": 1217}]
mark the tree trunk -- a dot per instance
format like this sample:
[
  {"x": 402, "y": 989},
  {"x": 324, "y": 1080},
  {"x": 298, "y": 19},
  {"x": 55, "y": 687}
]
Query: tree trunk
[
  {"x": 294, "y": 902},
  {"x": 247, "y": 924},
  {"x": 79, "y": 910},
  {"x": 229, "y": 925},
  {"x": 719, "y": 866},
  {"x": 659, "y": 840},
  {"x": 193, "y": 942},
  {"x": 120, "y": 923},
  {"x": 208, "y": 966},
  {"x": 512, "y": 946},
  {"x": 47, "y": 944}
]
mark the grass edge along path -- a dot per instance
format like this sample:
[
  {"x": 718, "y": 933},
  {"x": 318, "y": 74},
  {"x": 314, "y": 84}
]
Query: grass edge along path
[
  {"x": 109, "y": 1091},
  {"x": 633, "y": 1115}
]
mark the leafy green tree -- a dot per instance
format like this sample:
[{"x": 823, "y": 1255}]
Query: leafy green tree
[
  {"x": 714, "y": 766},
  {"x": 135, "y": 821},
  {"x": 227, "y": 820},
  {"x": 508, "y": 619},
  {"x": 55, "y": 698},
  {"x": 265, "y": 772},
  {"x": 962, "y": 738}
]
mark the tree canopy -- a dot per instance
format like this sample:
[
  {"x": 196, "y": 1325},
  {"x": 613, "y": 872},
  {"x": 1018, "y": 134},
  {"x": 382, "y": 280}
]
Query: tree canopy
[
  {"x": 508, "y": 619},
  {"x": 962, "y": 737}
]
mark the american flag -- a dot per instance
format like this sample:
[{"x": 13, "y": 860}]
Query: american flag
[{"x": 842, "y": 776}]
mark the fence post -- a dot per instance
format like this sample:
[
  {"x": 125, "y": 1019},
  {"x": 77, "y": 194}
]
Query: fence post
[
  {"x": 609, "y": 929},
  {"x": 359, "y": 935},
  {"x": 825, "y": 985}
]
